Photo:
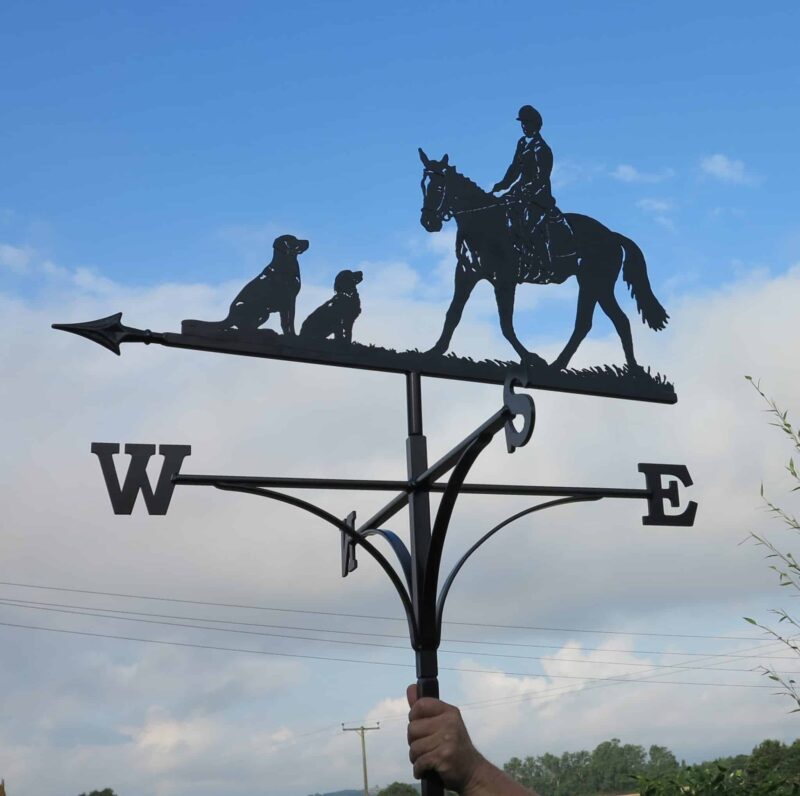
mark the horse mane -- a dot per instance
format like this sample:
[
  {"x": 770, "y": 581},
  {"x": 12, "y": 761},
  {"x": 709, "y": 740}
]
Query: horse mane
[{"x": 461, "y": 182}]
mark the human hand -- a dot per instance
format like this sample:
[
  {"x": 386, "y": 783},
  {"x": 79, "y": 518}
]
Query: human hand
[{"x": 438, "y": 741}]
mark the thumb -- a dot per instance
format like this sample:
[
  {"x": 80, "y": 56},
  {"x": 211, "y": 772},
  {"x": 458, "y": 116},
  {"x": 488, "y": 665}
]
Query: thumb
[{"x": 411, "y": 694}]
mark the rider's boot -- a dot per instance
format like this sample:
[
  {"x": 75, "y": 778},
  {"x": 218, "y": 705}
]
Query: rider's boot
[{"x": 561, "y": 251}]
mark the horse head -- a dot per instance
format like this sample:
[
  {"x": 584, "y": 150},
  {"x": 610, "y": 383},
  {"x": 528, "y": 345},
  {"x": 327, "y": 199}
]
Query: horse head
[{"x": 434, "y": 190}]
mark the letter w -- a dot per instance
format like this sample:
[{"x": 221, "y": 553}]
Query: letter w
[{"x": 136, "y": 480}]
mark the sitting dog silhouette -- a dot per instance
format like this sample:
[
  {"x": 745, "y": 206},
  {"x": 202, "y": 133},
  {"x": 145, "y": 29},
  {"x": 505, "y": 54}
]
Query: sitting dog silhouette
[
  {"x": 336, "y": 316},
  {"x": 275, "y": 289}
]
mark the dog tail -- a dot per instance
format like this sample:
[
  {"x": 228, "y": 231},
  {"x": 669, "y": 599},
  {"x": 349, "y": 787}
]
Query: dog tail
[{"x": 203, "y": 327}]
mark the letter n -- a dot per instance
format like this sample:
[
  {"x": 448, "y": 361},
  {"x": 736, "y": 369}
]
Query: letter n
[{"x": 123, "y": 497}]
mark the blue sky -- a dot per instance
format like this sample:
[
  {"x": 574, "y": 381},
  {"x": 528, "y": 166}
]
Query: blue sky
[
  {"x": 140, "y": 133},
  {"x": 149, "y": 154}
]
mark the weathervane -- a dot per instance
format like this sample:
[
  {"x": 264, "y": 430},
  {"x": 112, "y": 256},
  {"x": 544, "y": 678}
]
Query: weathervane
[{"x": 508, "y": 239}]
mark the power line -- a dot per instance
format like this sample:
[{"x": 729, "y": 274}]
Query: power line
[
  {"x": 531, "y": 696},
  {"x": 377, "y": 617},
  {"x": 516, "y": 698},
  {"x": 556, "y": 691},
  {"x": 9, "y": 604},
  {"x": 369, "y": 663},
  {"x": 485, "y": 704},
  {"x": 603, "y": 632},
  {"x": 373, "y": 634},
  {"x": 199, "y": 602},
  {"x": 564, "y": 690}
]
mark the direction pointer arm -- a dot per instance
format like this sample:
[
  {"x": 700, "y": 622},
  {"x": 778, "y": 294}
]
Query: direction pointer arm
[{"x": 110, "y": 332}]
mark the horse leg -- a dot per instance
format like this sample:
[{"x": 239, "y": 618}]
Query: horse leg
[
  {"x": 465, "y": 283},
  {"x": 504, "y": 293},
  {"x": 621, "y": 323},
  {"x": 583, "y": 324}
]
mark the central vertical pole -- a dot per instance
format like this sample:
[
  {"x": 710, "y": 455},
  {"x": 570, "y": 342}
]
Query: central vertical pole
[{"x": 419, "y": 507}]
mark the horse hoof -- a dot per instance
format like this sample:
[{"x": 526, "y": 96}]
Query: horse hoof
[
  {"x": 437, "y": 350},
  {"x": 635, "y": 369},
  {"x": 534, "y": 362}
]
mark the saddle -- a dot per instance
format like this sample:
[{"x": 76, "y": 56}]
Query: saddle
[{"x": 544, "y": 242}]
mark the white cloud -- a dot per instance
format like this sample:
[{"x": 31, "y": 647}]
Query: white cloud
[
  {"x": 568, "y": 172},
  {"x": 627, "y": 173},
  {"x": 655, "y": 205},
  {"x": 721, "y": 211},
  {"x": 659, "y": 209},
  {"x": 537, "y": 715},
  {"x": 726, "y": 169},
  {"x": 15, "y": 258},
  {"x": 167, "y": 721}
]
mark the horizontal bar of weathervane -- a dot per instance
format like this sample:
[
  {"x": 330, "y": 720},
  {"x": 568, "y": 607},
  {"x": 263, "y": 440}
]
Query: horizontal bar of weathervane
[{"x": 405, "y": 486}]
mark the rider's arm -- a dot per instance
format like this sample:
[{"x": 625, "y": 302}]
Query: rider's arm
[
  {"x": 544, "y": 160},
  {"x": 514, "y": 170},
  {"x": 439, "y": 741}
]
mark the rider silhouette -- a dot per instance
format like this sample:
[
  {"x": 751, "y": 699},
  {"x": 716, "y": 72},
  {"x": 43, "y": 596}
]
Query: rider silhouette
[{"x": 531, "y": 206}]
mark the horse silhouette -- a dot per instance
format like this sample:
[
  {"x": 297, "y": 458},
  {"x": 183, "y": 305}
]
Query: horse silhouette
[{"x": 487, "y": 248}]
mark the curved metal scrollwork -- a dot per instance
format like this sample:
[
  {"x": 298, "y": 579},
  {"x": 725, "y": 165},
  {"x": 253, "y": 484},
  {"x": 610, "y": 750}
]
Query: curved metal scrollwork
[
  {"x": 463, "y": 560},
  {"x": 445, "y": 513},
  {"x": 345, "y": 529},
  {"x": 398, "y": 546}
]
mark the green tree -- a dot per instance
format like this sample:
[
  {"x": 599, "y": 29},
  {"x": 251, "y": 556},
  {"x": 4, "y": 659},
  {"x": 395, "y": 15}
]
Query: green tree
[
  {"x": 610, "y": 768},
  {"x": 615, "y": 765},
  {"x": 716, "y": 779},
  {"x": 104, "y": 792},
  {"x": 697, "y": 781},
  {"x": 399, "y": 789},
  {"x": 784, "y": 564},
  {"x": 522, "y": 771},
  {"x": 661, "y": 762},
  {"x": 772, "y": 768}
]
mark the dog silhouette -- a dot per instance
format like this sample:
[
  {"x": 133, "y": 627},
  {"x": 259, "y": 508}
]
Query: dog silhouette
[
  {"x": 275, "y": 289},
  {"x": 337, "y": 315}
]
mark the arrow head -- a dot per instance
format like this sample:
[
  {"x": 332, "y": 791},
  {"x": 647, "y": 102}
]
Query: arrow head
[{"x": 108, "y": 332}]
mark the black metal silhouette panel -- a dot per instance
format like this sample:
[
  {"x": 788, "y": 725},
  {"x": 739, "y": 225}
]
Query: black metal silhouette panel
[
  {"x": 510, "y": 235},
  {"x": 274, "y": 290}
]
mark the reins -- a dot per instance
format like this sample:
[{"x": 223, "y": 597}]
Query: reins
[
  {"x": 448, "y": 214},
  {"x": 500, "y": 203}
]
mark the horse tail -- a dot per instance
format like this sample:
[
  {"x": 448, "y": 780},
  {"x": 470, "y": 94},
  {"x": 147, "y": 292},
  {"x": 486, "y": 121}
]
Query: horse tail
[{"x": 634, "y": 272}]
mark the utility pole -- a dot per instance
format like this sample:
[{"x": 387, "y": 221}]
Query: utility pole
[{"x": 361, "y": 730}]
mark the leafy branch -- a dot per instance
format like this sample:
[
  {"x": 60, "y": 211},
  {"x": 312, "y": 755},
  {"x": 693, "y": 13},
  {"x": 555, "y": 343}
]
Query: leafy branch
[{"x": 784, "y": 564}]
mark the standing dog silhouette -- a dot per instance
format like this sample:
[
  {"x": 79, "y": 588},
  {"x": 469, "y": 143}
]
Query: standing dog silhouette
[
  {"x": 275, "y": 289},
  {"x": 336, "y": 316}
]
